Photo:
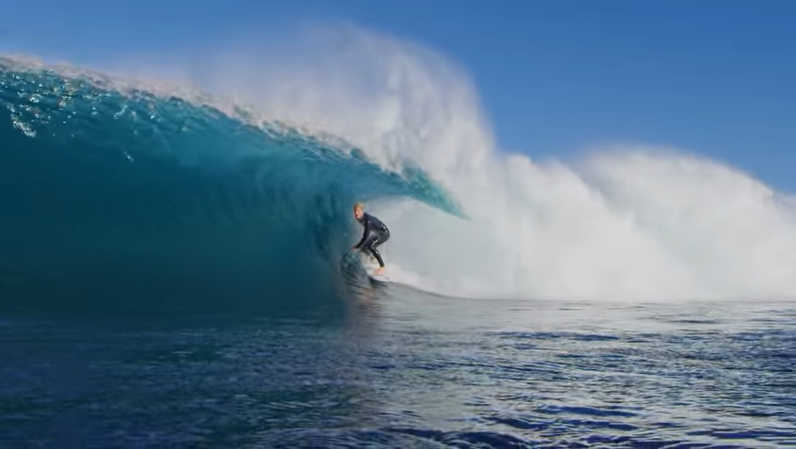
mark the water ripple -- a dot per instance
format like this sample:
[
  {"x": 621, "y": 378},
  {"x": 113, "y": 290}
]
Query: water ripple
[{"x": 294, "y": 383}]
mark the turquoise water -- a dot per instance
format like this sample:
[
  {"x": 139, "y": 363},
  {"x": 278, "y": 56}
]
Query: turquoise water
[
  {"x": 171, "y": 276},
  {"x": 162, "y": 203}
]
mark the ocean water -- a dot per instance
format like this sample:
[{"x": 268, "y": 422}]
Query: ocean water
[
  {"x": 174, "y": 272},
  {"x": 404, "y": 369}
]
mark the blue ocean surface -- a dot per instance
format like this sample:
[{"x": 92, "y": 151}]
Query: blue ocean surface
[
  {"x": 172, "y": 275},
  {"x": 403, "y": 369}
]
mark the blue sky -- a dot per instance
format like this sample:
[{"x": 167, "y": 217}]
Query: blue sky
[{"x": 717, "y": 77}]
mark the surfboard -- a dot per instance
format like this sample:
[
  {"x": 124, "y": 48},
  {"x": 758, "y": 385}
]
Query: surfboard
[
  {"x": 379, "y": 278},
  {"x": 395, "y": 276},
  {"x": 391, "y": 276},
  {"x": 370, "y": 266}
]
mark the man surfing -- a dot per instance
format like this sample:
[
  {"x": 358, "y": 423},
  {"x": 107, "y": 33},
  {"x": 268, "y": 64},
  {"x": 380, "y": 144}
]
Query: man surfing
[{"x": 374, "y": 234}]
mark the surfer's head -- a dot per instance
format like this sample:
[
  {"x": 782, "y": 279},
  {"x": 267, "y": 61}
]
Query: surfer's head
[{"x": 359, "y": 210}]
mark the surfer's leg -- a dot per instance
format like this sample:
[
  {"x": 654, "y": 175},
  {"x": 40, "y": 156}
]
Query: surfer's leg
[
  {"x": 383, "y": 237},
  {"x": 371, "y": 246}
]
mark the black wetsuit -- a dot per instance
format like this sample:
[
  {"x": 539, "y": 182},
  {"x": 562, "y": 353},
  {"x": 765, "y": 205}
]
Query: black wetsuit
[{"x": 375, "y": 234}]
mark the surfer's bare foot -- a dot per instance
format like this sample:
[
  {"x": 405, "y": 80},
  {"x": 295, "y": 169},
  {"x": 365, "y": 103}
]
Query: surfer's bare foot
[{"x": 379, "y": 270}]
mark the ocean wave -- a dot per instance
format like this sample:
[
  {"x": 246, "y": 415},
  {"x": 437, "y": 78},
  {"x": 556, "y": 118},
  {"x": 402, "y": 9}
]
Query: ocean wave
[
  {"x": 113, "y": 192},
  {"x": 251, "y": 142}
]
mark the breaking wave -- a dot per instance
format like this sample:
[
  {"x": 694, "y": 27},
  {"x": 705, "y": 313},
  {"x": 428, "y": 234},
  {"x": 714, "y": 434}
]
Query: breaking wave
[{"x": 111, "y": 182}]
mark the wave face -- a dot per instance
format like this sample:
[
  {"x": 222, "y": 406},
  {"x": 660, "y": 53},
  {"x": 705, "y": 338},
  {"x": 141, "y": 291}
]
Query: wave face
[{"x": 122, "y": 193}]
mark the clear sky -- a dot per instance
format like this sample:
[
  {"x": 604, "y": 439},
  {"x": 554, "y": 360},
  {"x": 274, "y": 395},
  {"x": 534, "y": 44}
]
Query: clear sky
[{"x": 716, "y": 77}]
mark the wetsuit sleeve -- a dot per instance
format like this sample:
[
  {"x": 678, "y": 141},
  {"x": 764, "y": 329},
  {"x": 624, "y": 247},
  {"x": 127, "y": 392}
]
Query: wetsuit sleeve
[{"x": 365, "y": 233}]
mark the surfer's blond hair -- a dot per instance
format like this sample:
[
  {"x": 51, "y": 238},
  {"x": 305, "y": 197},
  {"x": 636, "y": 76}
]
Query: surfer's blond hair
[{"x": 359, "y": 206}]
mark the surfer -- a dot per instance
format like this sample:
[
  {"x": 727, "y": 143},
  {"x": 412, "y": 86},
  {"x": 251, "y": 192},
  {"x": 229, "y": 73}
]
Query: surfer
[{"x": 374, "y": 234}]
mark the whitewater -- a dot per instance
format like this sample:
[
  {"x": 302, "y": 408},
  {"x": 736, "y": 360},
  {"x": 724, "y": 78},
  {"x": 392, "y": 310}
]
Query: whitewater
[{"x": 624, "y": 222}]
